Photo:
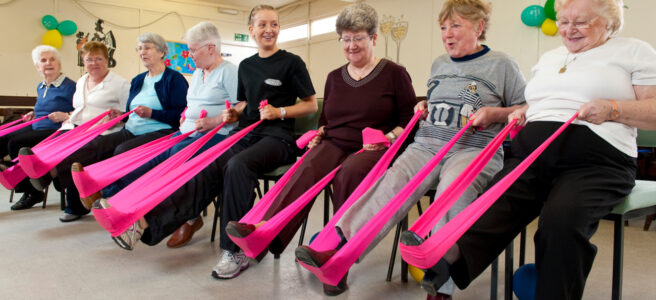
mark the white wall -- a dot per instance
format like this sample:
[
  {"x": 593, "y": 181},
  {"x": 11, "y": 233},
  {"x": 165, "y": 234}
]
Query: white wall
[
  {"x": 22, "y": 30},
  {"x": 423, "y": 42}
]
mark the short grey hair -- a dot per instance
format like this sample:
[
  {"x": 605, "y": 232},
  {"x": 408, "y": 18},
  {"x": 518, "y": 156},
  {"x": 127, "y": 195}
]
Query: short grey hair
[
  {"x": 204, "y": 32},
  {"x": 38, "y": 50},
  {"x": 611, "y": 10},
  {"x": 357, "y": 17},
  {"x": 155, "y": 39}
]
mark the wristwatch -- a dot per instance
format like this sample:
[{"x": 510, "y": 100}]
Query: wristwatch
[
  {"x": 614, "y": 112},
  {"x": 283, "y": 112}
]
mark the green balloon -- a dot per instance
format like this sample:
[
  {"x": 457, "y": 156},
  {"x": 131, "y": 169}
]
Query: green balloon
[
  {"x": 549, "y": 9},
  {"x": 49, "y": 22},
  {"x": 533, "y": 15},
  {"x": 67, "y": 27}
]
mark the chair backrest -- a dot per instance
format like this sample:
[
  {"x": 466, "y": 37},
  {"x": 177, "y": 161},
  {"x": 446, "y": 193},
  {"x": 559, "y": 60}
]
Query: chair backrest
[
  {"x": 646, "y": 138},
  {"x": 309, "y": 122}
]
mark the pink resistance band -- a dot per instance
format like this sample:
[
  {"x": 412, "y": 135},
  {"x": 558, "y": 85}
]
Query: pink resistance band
[
  {"x": 137, "y": 199},
  {"x": 12, "y": 123},
  {"x": 47, "y": 157},
  {"x": 10, "y": 177},
  {"x": 431, "y": 251},
  {"x": 328, "y": 238},
  {"x": 99, "y": 175},
  {"x": 332, "y": 271},
  {"x": 258, "y": 240},
  {"x": 9, "y": 130}
]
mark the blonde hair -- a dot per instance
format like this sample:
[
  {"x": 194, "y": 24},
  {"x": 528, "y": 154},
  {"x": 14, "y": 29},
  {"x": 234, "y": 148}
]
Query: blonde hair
[
  {"x": 611, "y": 10},
  {"x": 471, "y": 10},
  {"x": 256, "y": 9}
]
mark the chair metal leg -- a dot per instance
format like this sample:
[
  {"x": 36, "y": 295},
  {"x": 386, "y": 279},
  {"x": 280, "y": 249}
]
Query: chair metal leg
[
  {"x": 508, "y": 274},
  {"x": 259, "y": 191},
  {"x": 522, "y": 247},
  {"x": 45, "y": 196},
  {"x": 397, "y": 235},
  {"x": 618, "y": 257},
  {"x": 494, "y": 279},
  {"x": 217, "y": 211},
  {"x": 11, "y": 196},
  {"x": 300, "y": 238},
  {"x": 404, "y": 265},
  {"x": 266, "y": 185},
  {"x": 327, "y": 194},
  {"x": 648, "y": 221}
]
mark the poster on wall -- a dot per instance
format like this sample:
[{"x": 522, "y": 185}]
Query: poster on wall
[{"x": 178, "y": 58}]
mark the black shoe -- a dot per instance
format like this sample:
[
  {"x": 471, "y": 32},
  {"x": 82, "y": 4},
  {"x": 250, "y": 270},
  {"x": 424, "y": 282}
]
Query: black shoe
[
  {"x": 42, "y": 182},
  {"x": 410, "y": 238},
  {"x": 435, "y": 277},
  {"x": 28, "y": 200},
  {"x": 334, "y": 290}
]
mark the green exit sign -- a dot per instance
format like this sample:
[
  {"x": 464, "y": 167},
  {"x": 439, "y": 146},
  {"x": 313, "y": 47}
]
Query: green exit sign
[{"x": 240, "y": 37}]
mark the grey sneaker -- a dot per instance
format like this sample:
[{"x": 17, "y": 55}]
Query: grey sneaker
[
  {"x": 129, "y": 238},
  {"x": 230, "y": 265},
  {"x": 100, "y": 204}
]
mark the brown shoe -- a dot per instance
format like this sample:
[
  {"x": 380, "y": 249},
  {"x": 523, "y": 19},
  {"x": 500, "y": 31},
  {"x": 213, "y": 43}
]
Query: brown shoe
[
  {"x": 334, "y": 290},
  {"x": 439, "y": 296},
  {"x": 240, "y": 230},
  {"x": 183, "y": 235},
  {"x": 313, "y": 258}
]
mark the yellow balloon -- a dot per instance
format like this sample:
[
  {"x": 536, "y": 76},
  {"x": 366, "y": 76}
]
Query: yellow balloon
[
  {"x": 53, "y": 38},
  {"x": 416, "y": 273},
  {"x": 549, "y": 27}
]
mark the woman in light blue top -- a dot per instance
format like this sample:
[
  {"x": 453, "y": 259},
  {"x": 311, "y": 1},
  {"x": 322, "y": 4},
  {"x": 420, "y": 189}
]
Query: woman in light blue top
[{"x": 213, "y": 82}]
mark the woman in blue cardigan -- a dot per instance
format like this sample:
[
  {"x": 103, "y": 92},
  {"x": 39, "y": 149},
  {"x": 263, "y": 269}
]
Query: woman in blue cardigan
[{"x": 159, "y": 97}]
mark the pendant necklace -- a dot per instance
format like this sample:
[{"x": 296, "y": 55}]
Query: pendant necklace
[{"x": 565, "y": 63}]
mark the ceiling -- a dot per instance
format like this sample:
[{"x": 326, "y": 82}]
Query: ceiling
[{"x": 245, "y": 5}]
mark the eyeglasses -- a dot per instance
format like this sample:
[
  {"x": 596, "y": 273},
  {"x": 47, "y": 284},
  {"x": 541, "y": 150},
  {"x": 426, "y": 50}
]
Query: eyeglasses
[
  {"x": 96, "y": 59},
  {"x": 563, "y": 24},
  {"x": 357, "y": 39},
  {"x": 193, "y": 51},
  {"x": 145, "y": 48}
]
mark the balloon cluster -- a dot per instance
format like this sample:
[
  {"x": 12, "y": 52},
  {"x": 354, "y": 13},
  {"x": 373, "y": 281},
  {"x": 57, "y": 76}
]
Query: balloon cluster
[
  {"x": 543, "y": 17},
  {"x": 53, "y": 36}
]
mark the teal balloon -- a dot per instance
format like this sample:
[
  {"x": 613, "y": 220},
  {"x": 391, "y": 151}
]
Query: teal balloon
[
  {"x": 549, "y": 10},
  {"x": 49, "y": 22},
  {"x": 533, "y": 15},
  {"x": 67, "y": 27}
]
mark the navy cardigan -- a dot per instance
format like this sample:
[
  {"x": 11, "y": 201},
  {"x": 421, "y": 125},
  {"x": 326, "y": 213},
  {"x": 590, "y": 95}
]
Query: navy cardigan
[{"x": 172, "y": 94}]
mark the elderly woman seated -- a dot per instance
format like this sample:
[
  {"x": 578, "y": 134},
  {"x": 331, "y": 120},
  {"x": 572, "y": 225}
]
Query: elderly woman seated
[
  {"x": 214, "y": 81},
  {"x": 470, "y": 79},
  {"x": 351, "y": 93},
  {"x": 54, "y": 99},
  {"x": 97, "y": 91},
  {"x": 158, "y": 98},
  {"x": 611, "y": 82}
]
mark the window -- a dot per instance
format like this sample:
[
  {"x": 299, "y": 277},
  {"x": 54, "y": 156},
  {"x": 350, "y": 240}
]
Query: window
[
  {"x": 324, "y": 25},
  {"x": 293, "y": 33}
]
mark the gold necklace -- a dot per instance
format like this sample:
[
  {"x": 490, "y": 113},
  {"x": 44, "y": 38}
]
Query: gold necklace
[
  {"x": 565, "y": 63},
  {"x": 365, "y": 70}
]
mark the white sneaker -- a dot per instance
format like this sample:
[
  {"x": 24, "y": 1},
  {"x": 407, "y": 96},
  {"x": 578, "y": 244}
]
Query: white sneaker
[
  {"x": 230, "y": 265},
  {"x": 129, "y": 238}
]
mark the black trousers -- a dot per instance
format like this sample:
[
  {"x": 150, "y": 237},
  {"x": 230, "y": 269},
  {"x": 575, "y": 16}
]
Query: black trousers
[
  {"x": 100, "y": 148},
  {"x": 233, "y": 174},
  {"x": 577, "y": 180},
  {"x": 11, "y": 143}
]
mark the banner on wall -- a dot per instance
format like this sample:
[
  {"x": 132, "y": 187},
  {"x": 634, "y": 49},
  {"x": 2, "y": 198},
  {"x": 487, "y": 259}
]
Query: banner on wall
[
  {"x": 98, "y": 36},
  {"x": 178, "y": 58}
]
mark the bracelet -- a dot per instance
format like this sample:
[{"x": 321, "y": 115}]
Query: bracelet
[
  {"x": 283, "y": 112},
  {"x": 614, "y": 112},
  {"x": 391, "y": 136}
]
